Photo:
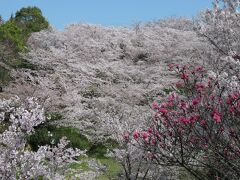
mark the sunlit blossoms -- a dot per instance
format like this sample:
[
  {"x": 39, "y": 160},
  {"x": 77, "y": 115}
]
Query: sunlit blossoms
[{"x": 17, "y": 161}]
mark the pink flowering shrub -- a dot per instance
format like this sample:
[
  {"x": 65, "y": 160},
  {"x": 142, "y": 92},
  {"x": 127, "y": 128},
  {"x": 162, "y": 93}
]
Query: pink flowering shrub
[{"x": 196, "y": 127}]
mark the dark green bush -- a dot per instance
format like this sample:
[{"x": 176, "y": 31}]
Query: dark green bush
[
  {"x": 97, "y": 150},
  {"x": 42, "y": 137}
]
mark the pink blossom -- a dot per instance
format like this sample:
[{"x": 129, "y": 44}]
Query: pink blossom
[
  {"x": 172, "y": 97},
  {"x": 196, "y": 101},
  {"x": 184, "y": 76},
  {"x": 164, "y": 105},
  {"x": 163, "y": 110},
  {"x": 217, "y": 116},
  {"x": 200, "y": 87},
  {"x": 136, "y": 135},
  {"x": 158, "y": 135},
  {"x": 183, "y": 105},
  {"x": 232, "y": 109},
  {"x": 184, "y": 120},
  {"x": 179, "y": 85},
  {"x": 155, "y": 105},
  {"x": 165, "y": 123},
  {"x": 126, "y": 136},
  {"x": 194, "y": 118},
  {"x": 153, "y": 142},
  {"x": 203, "y": 122},
  {"x": 171, "y": 66},
  {"x": 145, "y": 135},
  {"x": 229, "y": 101},
  {"x": 199, "y": 68},
  {"x": 150, "y": 130}
]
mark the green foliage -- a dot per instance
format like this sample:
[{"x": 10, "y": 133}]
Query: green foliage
[
  {"x": 12, "y": 36},
  {"x": 91, "y": 91},
  {"x": 30, "y": 19},
  {"x": 15, "y": 32},
  {"x": 53, "y": 116},
  {"x": 4, "y": 76},
  {"x": 1, "y": 20},
  {"x": 97, "y": 150},
  {"x": 19, "y": 63},
  {"x": 43, "y": 136},
  {"x": 111, "y": 144},
  {"x": 3, "y": 127},
  {"x": 168, "y": 90},
  {"x": 46, "y": 133},
  {"x": 100, "y": 149}
]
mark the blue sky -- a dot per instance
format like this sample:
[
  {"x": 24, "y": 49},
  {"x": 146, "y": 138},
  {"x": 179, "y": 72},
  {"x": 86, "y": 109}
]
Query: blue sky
[{"x": 106, "y": 12}]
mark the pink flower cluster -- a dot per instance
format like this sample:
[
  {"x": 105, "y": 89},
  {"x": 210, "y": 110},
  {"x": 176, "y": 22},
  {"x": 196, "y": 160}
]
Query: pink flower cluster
[{"x": 197, "y": 116}]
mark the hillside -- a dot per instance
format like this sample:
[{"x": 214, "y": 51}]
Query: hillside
[
  {"x": 159, "y": 100},
  {"x": 91, "y": 74}
]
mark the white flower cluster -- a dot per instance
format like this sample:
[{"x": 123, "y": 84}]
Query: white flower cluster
[
  {"x": 212, "y": 74},
  {"x": 230, "y": 83},
  {"x": 221, "y": 25},
  {"x": 16, "y": 160}
]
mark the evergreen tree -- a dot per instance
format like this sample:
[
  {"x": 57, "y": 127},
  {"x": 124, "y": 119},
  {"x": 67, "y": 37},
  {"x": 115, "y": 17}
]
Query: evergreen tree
[{"x": 30, "y": 19}]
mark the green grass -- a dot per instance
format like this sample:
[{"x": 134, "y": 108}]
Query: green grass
[
  {"x": 80, "y": 166},
  {"x": 114, "y": 168}
]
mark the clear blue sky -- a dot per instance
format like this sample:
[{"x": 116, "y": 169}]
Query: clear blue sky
[{"x": 106, "y": 12}]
